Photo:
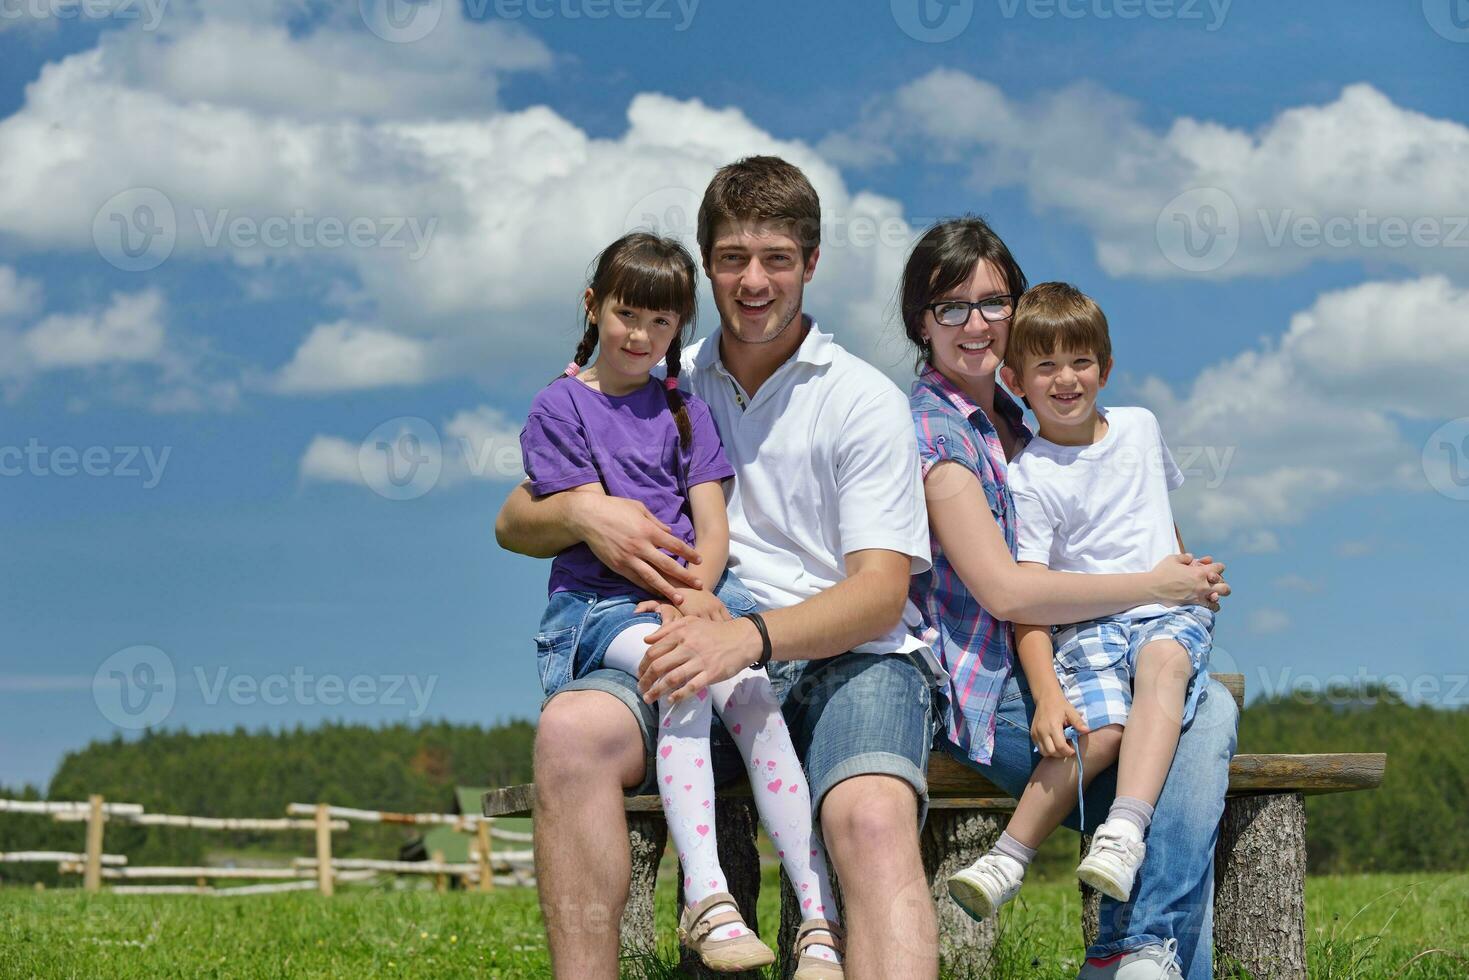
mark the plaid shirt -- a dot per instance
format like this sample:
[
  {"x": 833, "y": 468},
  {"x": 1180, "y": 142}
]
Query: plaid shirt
[{"x": 974, "y": 647}]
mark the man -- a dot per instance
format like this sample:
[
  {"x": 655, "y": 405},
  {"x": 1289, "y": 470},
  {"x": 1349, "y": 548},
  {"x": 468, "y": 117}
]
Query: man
[{"x": 827, "y": 523}]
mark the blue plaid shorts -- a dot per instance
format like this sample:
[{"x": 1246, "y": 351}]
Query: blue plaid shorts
[{"x": 1096, "y": 661}]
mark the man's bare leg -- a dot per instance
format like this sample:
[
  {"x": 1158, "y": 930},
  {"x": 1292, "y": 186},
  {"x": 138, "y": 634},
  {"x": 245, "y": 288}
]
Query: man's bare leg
[
  {"x": 870, "y": 826},
  {"x": 588, "y": 748}
]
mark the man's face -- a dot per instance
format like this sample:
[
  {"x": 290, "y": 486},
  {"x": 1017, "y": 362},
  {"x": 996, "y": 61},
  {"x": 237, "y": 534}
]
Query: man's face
[{"x": 758, "y": 278}]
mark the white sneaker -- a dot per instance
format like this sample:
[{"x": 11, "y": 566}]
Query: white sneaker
[
  {"x": 1111, "y": 864},
  {"x": 985, "y": 885},
  {"x": 1148, "y": 963}
]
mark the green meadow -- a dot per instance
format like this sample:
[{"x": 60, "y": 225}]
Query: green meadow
[{"x": 1377, "y": 925}]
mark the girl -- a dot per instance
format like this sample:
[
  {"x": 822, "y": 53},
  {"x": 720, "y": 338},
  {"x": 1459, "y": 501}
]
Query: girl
[{"x": 613, "y": 428}]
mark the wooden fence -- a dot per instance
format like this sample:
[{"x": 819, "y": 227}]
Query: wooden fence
[{"x": 321, "y": 873}]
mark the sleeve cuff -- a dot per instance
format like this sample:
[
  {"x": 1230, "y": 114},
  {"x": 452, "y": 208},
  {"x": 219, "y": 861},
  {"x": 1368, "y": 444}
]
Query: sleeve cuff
[{"x": 541, "y": 488}]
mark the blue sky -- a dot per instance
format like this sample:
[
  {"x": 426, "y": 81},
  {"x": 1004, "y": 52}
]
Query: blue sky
[{"x": 1311, "y": 355}]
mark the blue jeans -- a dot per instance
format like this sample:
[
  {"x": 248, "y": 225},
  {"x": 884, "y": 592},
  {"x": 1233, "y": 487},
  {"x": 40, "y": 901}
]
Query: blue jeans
[
  {"x": 851, "y": 715},
  {"x": 1173, "y": 897}
]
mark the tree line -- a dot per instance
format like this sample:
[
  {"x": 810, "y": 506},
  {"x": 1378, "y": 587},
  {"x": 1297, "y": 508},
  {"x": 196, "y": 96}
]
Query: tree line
[{"x": 1417, "y": 821}]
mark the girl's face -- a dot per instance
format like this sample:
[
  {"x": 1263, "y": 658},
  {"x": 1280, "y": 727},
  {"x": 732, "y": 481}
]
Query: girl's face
[
  {"x": 976, "y": 350},
  {"x": 630, "y": 340}
]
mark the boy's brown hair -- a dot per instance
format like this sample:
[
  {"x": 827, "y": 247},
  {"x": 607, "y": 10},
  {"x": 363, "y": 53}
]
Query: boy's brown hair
[
  {"x": 1055, "y": 316},
  {"x": 761, "y": 189}
]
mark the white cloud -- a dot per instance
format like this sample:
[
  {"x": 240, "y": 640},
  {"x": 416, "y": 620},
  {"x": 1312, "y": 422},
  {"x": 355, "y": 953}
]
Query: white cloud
[
  {"x": 129, "y": 330},
  {"x": 19, "y": 296},
  {"x": 1298, "y": 583},
  {"x": 486, "y": 445},
  {"x": 518, "y": 202},
  {"x": 346, "y": 356},
  {"x": 330, "y": 459},
  {"x": 1266, "y": 621},
  {"x": 227, "y": 55},
  {"x": 1306, "y": 185},
  {"x": 1313, "y": 417},
  {"x": 123, "y": 349},
  {"x": 478, "y": 444},
  {"x": 1258, "y": 543}
]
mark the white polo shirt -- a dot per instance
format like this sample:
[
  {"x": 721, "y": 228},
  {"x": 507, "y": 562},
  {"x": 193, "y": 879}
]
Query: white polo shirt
[{"x": 825, "y": 464}]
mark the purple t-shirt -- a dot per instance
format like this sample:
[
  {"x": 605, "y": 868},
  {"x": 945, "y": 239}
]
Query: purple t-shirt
[{"x": 628, "y": 443}]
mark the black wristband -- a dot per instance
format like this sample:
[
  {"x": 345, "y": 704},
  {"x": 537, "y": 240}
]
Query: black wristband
[{"x": 765, "y": 650}]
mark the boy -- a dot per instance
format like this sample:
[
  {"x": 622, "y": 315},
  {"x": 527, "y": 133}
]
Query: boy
[{"x": 1091, "y": 495}]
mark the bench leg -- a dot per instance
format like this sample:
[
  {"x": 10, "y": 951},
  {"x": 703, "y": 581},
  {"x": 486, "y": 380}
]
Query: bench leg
[
  {"x": 1091, "y": 903},
  {"x": 1260, "y": 887},
  {"x": 951, "y": 840},
  {"x": 646, "y": 835},
  {"x": 735, "y": 824}
]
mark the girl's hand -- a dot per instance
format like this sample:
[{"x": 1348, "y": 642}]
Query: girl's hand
[
  {"x": 1047, "y": 728},
  {"x": 1179, "y": 580},
  {"x": 704, "y": 605}
]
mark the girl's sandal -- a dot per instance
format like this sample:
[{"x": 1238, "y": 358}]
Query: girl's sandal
[
  {"x": 743, "y": 952},
  {"x": 818, "y": 932}
]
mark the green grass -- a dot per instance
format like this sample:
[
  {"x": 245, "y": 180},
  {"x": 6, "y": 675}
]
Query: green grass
[{"x": 1409, "y": 926}]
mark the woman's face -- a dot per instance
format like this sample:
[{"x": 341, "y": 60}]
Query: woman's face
[{"x": 975, "y": 350}]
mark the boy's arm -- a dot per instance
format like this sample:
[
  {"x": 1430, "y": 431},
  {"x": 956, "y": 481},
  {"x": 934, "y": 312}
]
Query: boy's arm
[
  {"x": 622, "y": 533},
  {"x": 1052, "y": 711}
]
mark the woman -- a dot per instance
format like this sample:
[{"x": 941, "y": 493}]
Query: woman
[{"x": 959, "y": 289}]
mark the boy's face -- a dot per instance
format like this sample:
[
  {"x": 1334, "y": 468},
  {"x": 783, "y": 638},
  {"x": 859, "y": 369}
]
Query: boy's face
[
  {"x": 1061, "y": 386},
  {"x": 758, "y": 278}
]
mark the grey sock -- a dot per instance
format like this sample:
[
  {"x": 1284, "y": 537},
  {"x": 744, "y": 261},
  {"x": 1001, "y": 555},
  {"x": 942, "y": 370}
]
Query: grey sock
[
  {"x": 1133, "y": 810},
  {"x": 1013, "y": 849}
]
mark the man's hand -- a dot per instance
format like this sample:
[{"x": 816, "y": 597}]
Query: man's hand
[
  {"x": 626, "y": 536},
  {"x": 686, "y": 656},
  {"x": 1047, "y": 728},
  {"x": 1180, "y": 580}
]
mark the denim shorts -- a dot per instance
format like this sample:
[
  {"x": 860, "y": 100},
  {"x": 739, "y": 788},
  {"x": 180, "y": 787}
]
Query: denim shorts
[
  {"x": 851, "y": 715},
  {"x": 1096, "y": 661},
  {"x": 577, "y": 628}
]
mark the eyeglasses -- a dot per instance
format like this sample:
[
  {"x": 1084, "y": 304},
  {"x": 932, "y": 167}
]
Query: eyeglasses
[{"x": 955, "y": 312}]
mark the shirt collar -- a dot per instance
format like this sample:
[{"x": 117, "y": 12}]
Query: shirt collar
[
  {"x": 816, "y": 348},
  {"x": 1004, "y": 404}
]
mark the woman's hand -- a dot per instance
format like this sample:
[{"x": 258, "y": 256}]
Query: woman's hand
[
  {"x": 1180, "y": 580},
  {"x": 1047, "y": 729}
]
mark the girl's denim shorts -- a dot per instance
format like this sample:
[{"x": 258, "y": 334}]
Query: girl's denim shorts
[{"x": 578, "y": 627}]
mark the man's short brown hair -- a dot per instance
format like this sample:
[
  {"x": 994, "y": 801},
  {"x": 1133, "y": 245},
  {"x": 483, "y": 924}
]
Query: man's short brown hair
[
  {"x": 1056, "y": 316},
  {"x": 761, "y": 189}
]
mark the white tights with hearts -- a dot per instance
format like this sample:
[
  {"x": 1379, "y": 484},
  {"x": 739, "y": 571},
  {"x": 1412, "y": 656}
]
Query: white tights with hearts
[{"x": 746, "y": 703}]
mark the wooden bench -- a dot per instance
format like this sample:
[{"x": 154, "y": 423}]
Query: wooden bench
[{"x": 1259, "y": 863}]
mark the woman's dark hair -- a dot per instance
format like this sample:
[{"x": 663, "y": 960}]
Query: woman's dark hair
[
  {"x": 649, "y": 272},
  {"x": 945, "y": 257}
]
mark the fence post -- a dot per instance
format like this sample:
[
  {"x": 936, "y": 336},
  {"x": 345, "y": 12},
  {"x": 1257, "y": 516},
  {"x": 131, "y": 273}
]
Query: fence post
[
  {"x": 324, "y": 849},
  {"x": 486, "y": 868},
  {"x": 92, "y": 879},
  {"x": 441, "y": 880}
]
